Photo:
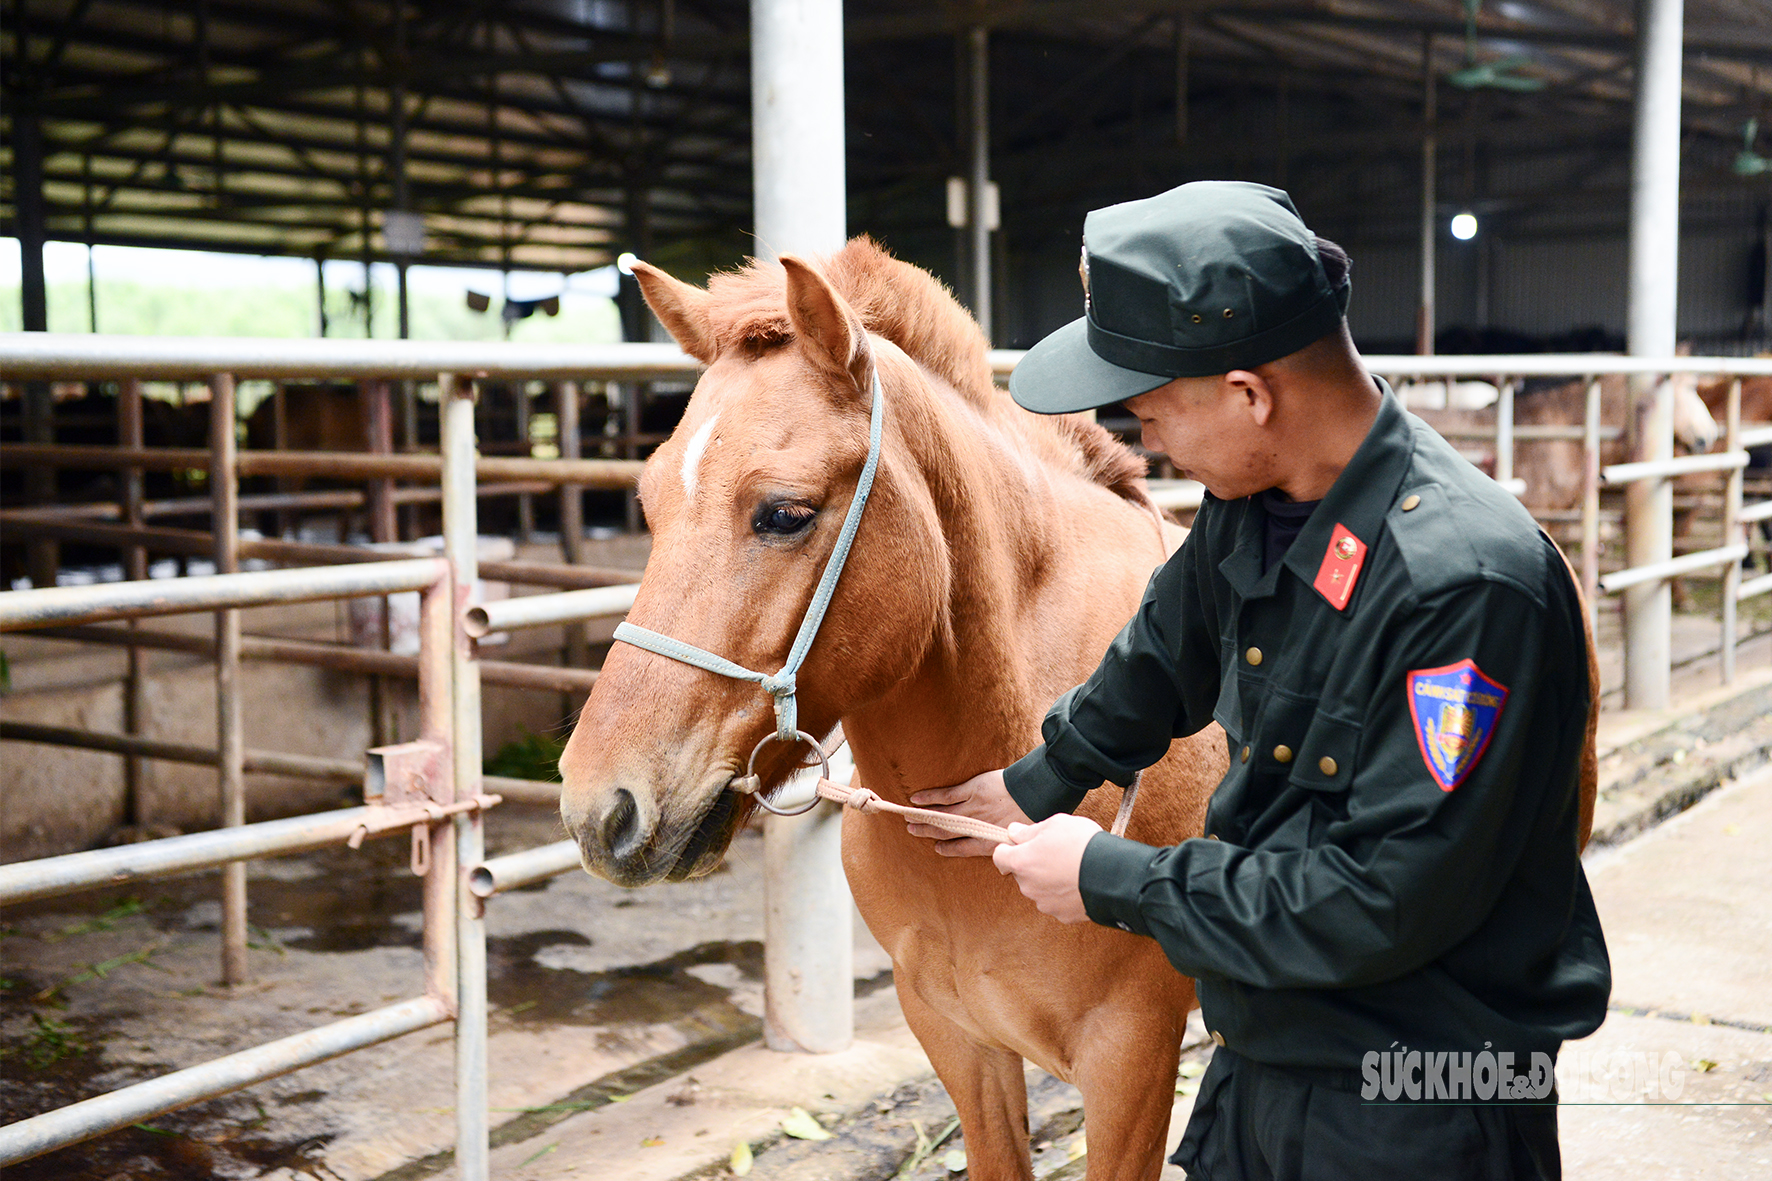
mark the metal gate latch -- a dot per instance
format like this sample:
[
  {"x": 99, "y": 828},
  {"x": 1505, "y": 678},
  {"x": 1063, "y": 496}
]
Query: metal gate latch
[{"x": 412, "y": 785}]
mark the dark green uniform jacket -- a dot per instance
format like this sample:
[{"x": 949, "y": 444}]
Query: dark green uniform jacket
[{"x": 1391, "y": 860}]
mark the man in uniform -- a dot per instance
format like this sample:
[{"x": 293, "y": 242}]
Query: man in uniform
[{"x": 1387, "y": 903}]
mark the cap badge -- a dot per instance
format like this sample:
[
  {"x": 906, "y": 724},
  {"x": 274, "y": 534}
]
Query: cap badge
[{"x": 1340, "y": 568}]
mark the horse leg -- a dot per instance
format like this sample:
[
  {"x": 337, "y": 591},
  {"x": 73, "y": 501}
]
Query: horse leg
[
  {"x": 987, "y": 1086},
  {"x": 1127, "y": 1076}
]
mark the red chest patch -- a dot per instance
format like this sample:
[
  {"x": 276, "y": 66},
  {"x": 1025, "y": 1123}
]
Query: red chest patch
[{"x": 1340, "y": 568}]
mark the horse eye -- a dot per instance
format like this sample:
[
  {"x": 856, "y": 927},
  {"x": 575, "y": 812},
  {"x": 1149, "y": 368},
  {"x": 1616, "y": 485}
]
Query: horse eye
[{"x": 783, "y": 519}]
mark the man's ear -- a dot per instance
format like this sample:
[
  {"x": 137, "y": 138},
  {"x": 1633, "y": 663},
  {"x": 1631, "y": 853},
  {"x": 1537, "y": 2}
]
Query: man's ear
[
  {"x": 1253, "y": 392},
  {"x": 828, "y": 330},
  {"x": 682, "y": 309}
]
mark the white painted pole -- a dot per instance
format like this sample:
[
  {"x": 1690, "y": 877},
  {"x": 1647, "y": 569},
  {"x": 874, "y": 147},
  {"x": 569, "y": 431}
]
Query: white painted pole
[
  {"x": 1424, "y": 315},
  {"x": 797, "y": 148},
  {"x": 798, "y": 160},
  {"x": 461, "y": 546},
  {"x": 1654, "y": 283},
  {"x": 980, "y": 215}
]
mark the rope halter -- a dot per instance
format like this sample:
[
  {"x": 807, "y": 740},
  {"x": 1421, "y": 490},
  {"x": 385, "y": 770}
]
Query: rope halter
[{"x": 781, "y": 686}]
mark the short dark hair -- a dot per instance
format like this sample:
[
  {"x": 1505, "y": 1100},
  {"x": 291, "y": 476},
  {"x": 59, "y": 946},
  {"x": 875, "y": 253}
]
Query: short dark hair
[{"x": 1336, "y": 263}]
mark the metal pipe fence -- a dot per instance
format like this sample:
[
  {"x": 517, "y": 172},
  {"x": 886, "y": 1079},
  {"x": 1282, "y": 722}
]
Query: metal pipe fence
[
  {"x": 1645, "y": 517},
  {"x": 448, "y": 812},
  {"x": 414, "y": 790}
]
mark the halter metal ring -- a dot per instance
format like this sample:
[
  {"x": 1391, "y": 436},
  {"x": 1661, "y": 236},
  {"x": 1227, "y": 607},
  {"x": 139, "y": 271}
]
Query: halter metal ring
[{"x": 823, "y": 763}]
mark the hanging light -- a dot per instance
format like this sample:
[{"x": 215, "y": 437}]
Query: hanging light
[{"x": 1464, "y": 226}]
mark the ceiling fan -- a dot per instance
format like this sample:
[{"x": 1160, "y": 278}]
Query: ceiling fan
[{"x": 1493, "y": 75}]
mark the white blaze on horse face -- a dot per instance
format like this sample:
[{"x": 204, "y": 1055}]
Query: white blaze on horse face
[
  {"x": 698, "y": 445},
  {"x": 1695, "y": 428}
]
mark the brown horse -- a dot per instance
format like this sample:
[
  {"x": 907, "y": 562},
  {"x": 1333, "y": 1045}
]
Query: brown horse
[{"x": 999, "y": 554}]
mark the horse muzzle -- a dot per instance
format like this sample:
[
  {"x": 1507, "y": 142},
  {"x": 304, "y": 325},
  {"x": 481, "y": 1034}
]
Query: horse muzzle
[
  {"x": 615, "y": 832},
  {"x": 622, "y": 838}
]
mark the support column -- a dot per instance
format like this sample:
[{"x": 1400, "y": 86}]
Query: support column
[
  {"x": 27, "y": 166},
  {"x": 1654, "y": 283},
  {"x": 397, "y": 159},
  {"x": 135, "y": 569},
  {"x": 43, "y": 557},
  {"x": 230, "y": 738},
  {"x": 1184, "y": 30},
  {"x": 1732, "y": 531},
  {"x": 320, "y": 296},
  {"x": 978, "y": 187},
  {"x": 519, "y": 389},
  {"x": 1430, "y": 179},
  {"x": 460, "y": 532},
  {"x": 378, "y": 430},
  {"x": 798, "y": 158},
  {"x": 576, "y": 653}
]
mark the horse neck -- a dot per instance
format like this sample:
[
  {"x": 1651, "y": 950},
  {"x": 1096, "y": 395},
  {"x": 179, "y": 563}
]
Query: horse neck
[{"x": 975, "y": 699}]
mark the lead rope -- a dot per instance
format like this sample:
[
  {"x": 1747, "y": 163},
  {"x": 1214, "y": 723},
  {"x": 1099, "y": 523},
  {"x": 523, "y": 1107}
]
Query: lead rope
[{"x": 863, "y": 800}]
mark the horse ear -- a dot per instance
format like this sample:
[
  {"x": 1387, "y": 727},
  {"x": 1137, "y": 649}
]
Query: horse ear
[
  {"x": 829, "y": 331},
  {"x": 681, "y": 308}
]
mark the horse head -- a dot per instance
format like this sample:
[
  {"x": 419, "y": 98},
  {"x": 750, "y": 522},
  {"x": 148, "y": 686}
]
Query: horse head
[
  {"x": 745, "y": 502},
  {"x": 1695, "y": 428}
]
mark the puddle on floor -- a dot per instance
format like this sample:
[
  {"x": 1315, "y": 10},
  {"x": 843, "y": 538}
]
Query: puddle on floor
[
  {"x": 530, "y": 981},
  {"x": 230, "y": 1137},
  {"x": 332, "y": 932}
]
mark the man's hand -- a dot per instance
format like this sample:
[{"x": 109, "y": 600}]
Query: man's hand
[
  {"x": 983, "y": 797},
  {"x": 1046, "y": 860}
]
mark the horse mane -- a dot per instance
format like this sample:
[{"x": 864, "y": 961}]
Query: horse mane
[
  {"x": 915, "y": 311},
  {"x": 1105, "y": 459}
]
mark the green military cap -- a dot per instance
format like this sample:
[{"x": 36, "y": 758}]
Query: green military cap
[{"x": 1206, "y": 278}]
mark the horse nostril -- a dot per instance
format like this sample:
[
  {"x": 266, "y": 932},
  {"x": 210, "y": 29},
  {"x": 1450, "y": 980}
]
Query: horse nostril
[{"x": 621, "y": 825}]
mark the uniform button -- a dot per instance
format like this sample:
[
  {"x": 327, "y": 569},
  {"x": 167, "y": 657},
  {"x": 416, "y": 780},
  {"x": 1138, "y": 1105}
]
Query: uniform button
[
  {"x": 1212, "y": 836},
  {"x": 1282, "y": 753},
  {"x": 1217, "y": 1038},
  {"x": 1327, "y": 765},
  {"x": 1253, "y": 656},
  {"x": 1245, "y": 755},
  {"x": 1410, "y": 502}
]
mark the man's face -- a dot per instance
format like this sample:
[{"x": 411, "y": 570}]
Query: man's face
[{"x": 1210, "y": 430}]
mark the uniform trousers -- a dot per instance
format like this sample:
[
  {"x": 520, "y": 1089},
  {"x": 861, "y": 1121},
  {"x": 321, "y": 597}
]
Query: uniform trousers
[{"x": 1255, "y": 1122}]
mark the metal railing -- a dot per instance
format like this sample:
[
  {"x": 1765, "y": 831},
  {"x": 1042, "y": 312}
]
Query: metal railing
[
  {"x": 1648, "y": 519},
  {"x": 421, "y": 794},
  {"x": 460, "y": 879}
]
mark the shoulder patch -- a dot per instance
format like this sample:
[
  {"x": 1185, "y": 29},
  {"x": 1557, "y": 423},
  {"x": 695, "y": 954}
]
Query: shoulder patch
[{"x": 1455, "y": 710}]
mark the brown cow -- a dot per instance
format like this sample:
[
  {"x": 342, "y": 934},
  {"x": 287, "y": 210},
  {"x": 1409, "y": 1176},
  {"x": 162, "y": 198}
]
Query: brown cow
[
  {"x": 1756, "y": 410},
  {"x": 1552, "y": 468},
  {"x": 317, "y": 417}
]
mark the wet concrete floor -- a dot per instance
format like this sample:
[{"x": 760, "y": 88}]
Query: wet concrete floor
[{"x": 111, "y": 987}]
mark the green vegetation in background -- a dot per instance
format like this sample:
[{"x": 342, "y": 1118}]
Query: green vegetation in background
[
  {"x": 533, "y": 756},
  {"x": 131, "y": 308}
]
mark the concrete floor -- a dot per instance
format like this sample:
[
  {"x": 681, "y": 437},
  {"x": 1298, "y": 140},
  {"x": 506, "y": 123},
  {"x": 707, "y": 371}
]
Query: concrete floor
[
  {"x": 625, "y": 1023},
  {"x": 586, "y": 980},
  {"x": 1687, "y": 910}
]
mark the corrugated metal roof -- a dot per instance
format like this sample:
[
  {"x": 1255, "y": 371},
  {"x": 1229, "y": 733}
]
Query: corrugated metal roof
[{"x": 553, "y": 133}]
